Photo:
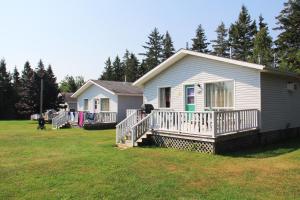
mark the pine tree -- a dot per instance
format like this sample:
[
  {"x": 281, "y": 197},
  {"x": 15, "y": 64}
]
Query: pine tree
[
  {"x": 288, "y": 41},
  {"x": 131, "y": 68},
  {"x": 39, "y": 73},
  {"x": 51, "y": 90},
  {"x": 241, "y": 36},
  {"x": 108, "y": 73},
  {"x": 199, "y": 42},
  {"x": 220, "y": 45},
  {"x": 25, "y": 105},
  {"x": 118, "y": 70},
  {"x": 261, "y": 23},
  {"x": 6, "y": 93},
  {"x": 168, "y": 47},
  {"x": 142, "y": 69},
  {"x": 154, "y": 49},
  {"x": 16, "y": 78},
  {"x": 16, "y": 83},
  {"x": 262, "y": 51}
]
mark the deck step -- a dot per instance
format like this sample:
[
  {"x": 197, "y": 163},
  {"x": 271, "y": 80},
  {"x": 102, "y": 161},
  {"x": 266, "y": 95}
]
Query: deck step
[{"x": 140, "y": 140}]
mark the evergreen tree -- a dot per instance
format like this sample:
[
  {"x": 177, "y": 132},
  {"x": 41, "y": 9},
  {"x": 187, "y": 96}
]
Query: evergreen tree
[
  {"x": 199, "y": 42},
  {"x": 16, "y": 78},
  {"x": 39, "y": 73},
  {"x": 220, "y": 45},
  {"x": 142, "y": 69},
  {"x": 154, "y": 50},
  {"x": 168, "y": 47},
  {"x": 241, "y": 36},
  {"x": 6, "y": 93},
  {"x": 288, "y": 41},
  {"x": 16, "y": 83},
  {"x": 131, "y": 68},
  {"x": 108, "y": 73},
  {"x": 118, "y": 70},
  {"x": 262, "y": 52},
  {"x": 25, "y": 105},
  {"x": 51, "y": 90},
  {"x": 261, "y": 22}
]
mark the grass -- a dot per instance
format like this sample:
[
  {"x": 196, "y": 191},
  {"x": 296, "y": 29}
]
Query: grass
[{"x": 79, "y": 164}]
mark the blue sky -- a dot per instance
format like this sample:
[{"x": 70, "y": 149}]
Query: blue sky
[{"x": 76, "y": 37}]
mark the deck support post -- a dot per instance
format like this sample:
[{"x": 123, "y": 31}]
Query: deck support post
[{"x": 214, "y": 124}]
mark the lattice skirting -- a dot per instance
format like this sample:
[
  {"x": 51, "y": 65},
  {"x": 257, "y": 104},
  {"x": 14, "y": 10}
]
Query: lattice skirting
[{"x": 184, "y": 144}]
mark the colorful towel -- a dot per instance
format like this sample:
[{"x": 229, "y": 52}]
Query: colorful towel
[{"x": 81, "y": 119}]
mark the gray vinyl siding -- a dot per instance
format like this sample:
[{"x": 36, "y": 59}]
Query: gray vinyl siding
[
  {"x": 195, "y": 70},
  {"x": 128, "y": 102},
  {"x": 279, "y": 106}
]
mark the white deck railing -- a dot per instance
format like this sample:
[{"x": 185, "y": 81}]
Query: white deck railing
[
  {"x": 123, "y": 129},
  {"x": 105, "y": 117},
  {"x": 210, "y": 124},
  {"x": 65, "y": 117}
]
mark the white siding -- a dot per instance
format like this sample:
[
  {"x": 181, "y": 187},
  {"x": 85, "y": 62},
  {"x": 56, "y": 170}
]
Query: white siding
[
  {"x": 195, "y": 70},
  {"x": 279, "y": 106},
  {"x": 128, "y": 102},
  {"x": 95, "y": 92}
]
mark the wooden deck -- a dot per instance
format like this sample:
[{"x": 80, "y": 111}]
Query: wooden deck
[{"x": 207, "y": 124}]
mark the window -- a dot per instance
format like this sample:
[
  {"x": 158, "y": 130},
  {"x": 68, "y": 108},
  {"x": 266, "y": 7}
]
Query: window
[
  {"x": 165, "y": 97},
  {"x": 190, "y": 95},
  {"x": 85, "y": 104},
  {"x": 105, "y": 104},
  {"x": 96, "y": 103},
  {"x": 219, "y": 94}
]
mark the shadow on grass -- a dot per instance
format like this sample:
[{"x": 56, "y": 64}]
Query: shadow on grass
[{"x": 270, "y": 150}]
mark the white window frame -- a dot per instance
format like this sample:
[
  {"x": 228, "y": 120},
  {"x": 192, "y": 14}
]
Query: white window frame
[
  {"x": 184, "y": 86},
  {"x": 84, "y": 108},
  {"x": 101, "y": 105},
  {"x": 158, "y": 97},
  {"x": 96, "y": 104},
  {"x": 219, "y": 108}
]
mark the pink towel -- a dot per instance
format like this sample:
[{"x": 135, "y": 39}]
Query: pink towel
[{"x": 81, "y": 119}]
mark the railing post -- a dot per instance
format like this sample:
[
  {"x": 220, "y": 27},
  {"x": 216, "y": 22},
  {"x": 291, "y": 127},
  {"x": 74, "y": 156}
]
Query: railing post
[
  {"x": 214, "y": 124},
  {"x": 238, "y": 120},
  {"x": 132, "y": 136}
]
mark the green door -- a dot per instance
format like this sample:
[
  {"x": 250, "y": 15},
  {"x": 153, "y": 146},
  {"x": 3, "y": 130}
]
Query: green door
[{"x": 190, "y": 98}]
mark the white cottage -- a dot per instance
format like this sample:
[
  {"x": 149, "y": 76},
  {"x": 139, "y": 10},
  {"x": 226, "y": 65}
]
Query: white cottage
[
  {"x": 97, "y": 96},
  {"x": 204, "y": 96}
]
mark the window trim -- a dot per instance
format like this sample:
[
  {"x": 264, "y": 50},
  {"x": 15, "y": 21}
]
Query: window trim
[
  {"x": 85, "y": 109},
  {"x": 219, "y": 108},
  {"x": 158, "y": 97},
  {"x": 101, "y": 104},
  {"x": 185, "y": 86}
]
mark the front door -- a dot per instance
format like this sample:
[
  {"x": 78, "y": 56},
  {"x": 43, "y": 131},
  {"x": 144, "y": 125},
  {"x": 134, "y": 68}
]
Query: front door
[{"x": 190, "y": 98}]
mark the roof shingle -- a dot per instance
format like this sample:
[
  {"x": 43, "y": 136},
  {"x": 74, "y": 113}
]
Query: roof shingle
[{"x": 120, "y": 87}]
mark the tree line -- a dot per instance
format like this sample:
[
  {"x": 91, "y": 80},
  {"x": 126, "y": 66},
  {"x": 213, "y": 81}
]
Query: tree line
[
  {"x": 20, "y": 93},
  {"x": 244, "y": 40}
]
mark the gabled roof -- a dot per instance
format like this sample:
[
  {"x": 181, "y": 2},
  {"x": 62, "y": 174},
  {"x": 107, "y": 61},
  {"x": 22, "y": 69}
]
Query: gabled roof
[
  {"x": 182, "y": 53},
  {"x": 68, "y": 97},
  {"x": 113, "y": 87}
]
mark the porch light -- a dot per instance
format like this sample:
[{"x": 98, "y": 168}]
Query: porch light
[{"x": 199, "y": 88}]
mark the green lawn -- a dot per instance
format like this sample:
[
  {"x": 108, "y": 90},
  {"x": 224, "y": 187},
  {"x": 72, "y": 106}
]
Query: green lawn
[{"x": 78, "y": 164}]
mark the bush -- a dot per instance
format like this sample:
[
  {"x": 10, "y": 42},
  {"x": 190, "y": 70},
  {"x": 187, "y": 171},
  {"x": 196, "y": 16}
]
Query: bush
[{"x": 99, "y": 126}]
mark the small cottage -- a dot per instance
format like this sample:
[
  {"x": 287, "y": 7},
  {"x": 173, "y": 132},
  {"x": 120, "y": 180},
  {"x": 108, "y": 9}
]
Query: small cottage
[
  {"x": 97, "y": 96},
  {"x": 202, "y": 100}
]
